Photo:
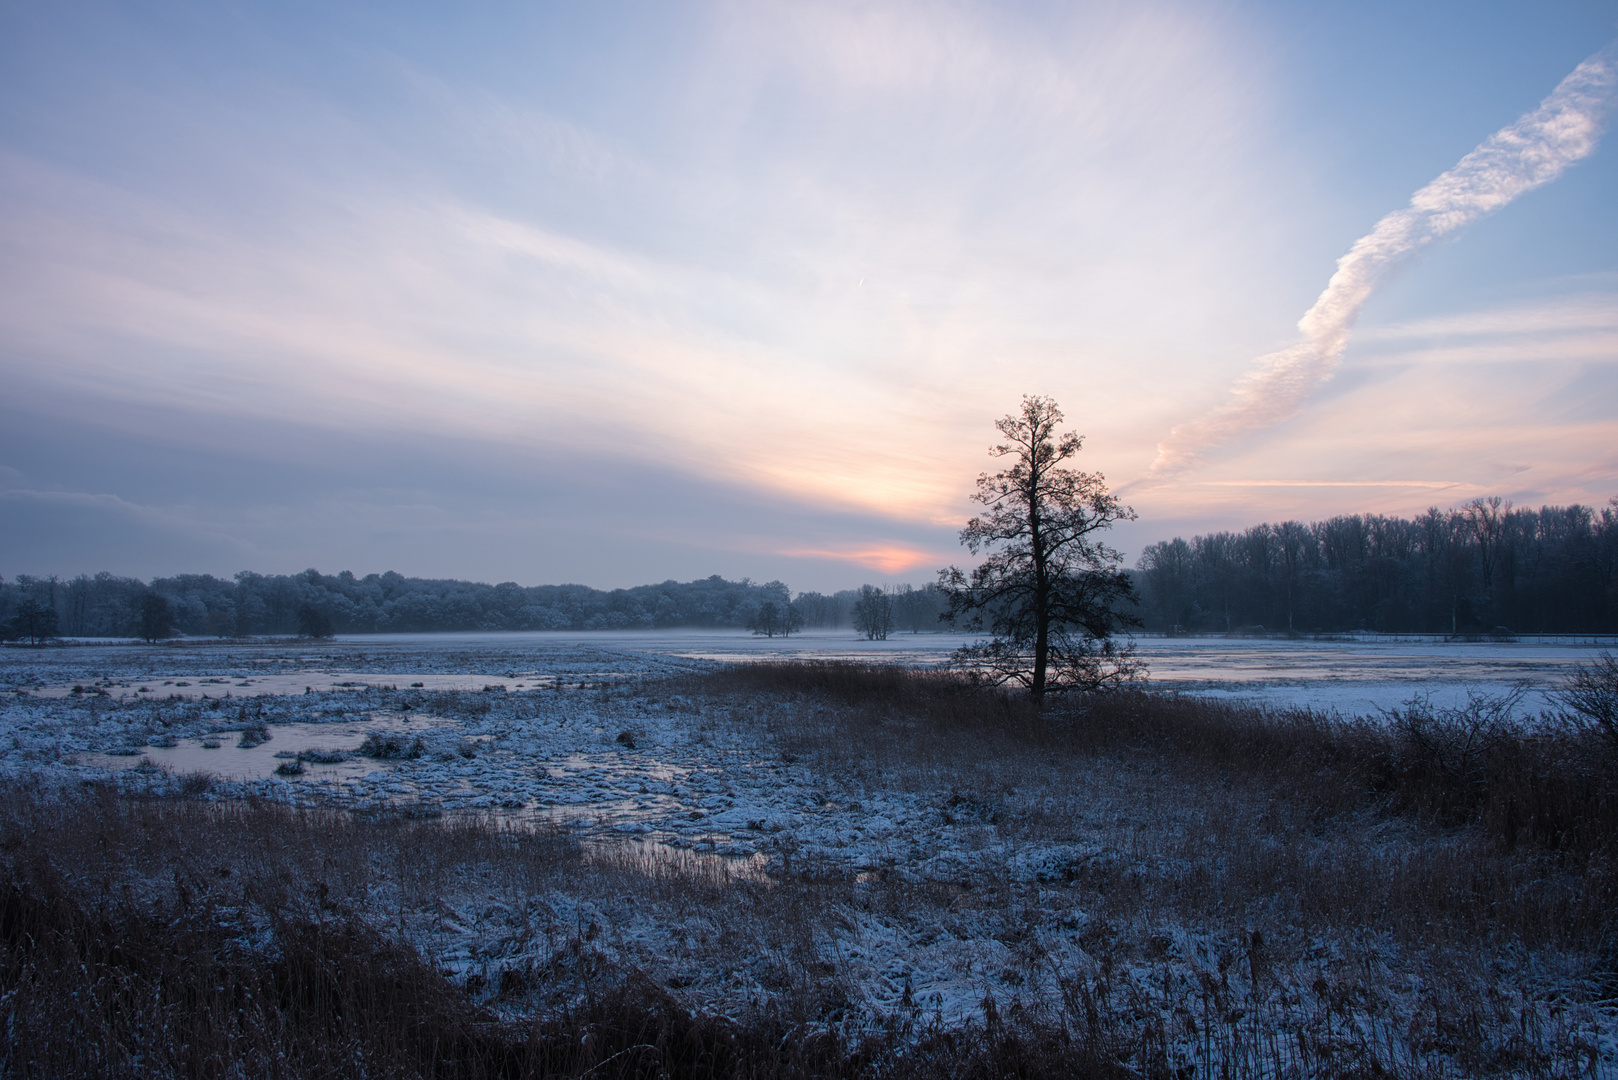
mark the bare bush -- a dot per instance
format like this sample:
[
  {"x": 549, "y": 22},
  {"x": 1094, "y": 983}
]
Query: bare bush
[
  {"x": 1590, "y": 699},
  {"x": 1457, "y": 742}
]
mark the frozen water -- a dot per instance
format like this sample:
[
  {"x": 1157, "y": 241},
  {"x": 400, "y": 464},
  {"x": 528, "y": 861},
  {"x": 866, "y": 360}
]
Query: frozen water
[
  {"x": 308, "y": 743},
  {"x": 1357, "y": 677},
  {"x": 551, "y": 748},
  {"x": 1354, "y": 675}
]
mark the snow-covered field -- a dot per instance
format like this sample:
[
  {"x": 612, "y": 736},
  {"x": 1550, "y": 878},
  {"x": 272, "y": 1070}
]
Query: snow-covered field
[
  {"x": 1351, "y": 676},
  {"x": 324, "y": 700},
  {"x": 963, "y": 882}
]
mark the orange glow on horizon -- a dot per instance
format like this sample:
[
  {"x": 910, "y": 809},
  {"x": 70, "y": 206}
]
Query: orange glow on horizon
[{"x": 888, "y": 559}]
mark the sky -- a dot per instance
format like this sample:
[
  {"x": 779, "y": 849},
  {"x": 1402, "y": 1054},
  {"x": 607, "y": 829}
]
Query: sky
[{"x": 613, "y": 293}]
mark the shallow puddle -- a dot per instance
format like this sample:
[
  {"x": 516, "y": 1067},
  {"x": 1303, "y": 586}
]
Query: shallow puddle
[{"x": 230, "y": 760}]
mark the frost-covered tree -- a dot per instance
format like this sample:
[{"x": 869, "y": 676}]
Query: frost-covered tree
[{"x": 1049, "y": 592}]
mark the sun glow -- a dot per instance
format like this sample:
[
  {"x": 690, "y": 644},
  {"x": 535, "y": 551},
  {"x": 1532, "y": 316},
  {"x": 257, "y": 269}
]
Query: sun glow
[{"x": 884, "y": 558}]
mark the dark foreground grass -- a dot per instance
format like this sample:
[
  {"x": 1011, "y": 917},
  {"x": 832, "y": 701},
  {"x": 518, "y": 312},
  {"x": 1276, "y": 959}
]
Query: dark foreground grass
[
  {"x": 1548, "y": 783},
  {"x": 1466, "y": 835},
  {"x": 244, "y": 969}
]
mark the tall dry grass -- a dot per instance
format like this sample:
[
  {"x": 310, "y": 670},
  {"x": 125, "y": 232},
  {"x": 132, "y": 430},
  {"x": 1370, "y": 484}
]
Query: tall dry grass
[
  {"x": 1547, "y": 784},
  {"x": 185, "y": 938},
  {"x": 1443, "y": 848}
]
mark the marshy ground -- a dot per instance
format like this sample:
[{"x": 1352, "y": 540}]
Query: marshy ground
[{"x": 665, "y": 866}]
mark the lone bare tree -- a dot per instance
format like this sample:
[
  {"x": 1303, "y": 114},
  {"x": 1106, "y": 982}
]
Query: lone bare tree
[{"x": 1050, "y": 593}]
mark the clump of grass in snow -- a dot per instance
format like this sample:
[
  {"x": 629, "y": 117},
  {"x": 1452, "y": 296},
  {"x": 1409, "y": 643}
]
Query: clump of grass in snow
[
  {"x": 254, "y": 736},
  {"x": 109, "y": 990},
  {"x": 390, "y": 746}
]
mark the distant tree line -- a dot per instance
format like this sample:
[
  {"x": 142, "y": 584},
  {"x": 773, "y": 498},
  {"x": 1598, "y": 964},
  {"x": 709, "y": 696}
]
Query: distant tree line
[
  {"x": 1485, "y": 567},
  {"x": 312, "y": 604}
]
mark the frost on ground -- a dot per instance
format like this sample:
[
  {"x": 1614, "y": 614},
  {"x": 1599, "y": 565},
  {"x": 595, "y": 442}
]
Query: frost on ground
[{"x": 754, "y": 846}]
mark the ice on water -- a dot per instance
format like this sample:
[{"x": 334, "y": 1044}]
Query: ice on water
[{"x": 545, "y": 744}]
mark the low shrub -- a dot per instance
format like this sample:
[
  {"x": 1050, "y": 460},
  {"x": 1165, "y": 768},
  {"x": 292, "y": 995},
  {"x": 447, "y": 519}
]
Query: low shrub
[
  {"x": 391, "y": 746},
  {"x": 254, "y": 736}
]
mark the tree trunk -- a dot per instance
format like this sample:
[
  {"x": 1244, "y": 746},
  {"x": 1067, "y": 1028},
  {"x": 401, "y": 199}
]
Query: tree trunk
[
  {"x": 1042, "y": 591},
  {"x": 1042, "y": 649}
]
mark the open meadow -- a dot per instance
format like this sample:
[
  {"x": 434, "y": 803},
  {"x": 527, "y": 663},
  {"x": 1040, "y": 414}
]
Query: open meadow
[{"x": 713, "y": 854}]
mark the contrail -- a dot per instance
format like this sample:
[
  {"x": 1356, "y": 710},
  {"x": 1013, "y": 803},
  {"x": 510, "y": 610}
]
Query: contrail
[{"x": 1518, "y": 158}]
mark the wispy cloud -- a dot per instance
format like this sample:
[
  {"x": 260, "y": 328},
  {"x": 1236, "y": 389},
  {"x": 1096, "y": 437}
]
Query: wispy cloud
[
  {"x": 1586, "y": 313},
  {"x": 1435, "y": 484},
  {"x": 795, "y": 254},
  {"x": 795, "y": 296},
  {"x": 1527, "y": 154},
  {"x": 1519, "y": 400}
]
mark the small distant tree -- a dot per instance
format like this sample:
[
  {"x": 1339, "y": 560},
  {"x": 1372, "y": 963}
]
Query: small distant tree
[
  {"x": 1487, "y": 521},
  {"x": 873, "y": 613},
  {"x": 154, "y": 616},
  {"x": 1050, "y": 592},
  {"x": 314, "y": 623},
  {"x": 33, "y": 622},
  {"x": 767, "y": 620},
  {"x": 772, "y": 618}
]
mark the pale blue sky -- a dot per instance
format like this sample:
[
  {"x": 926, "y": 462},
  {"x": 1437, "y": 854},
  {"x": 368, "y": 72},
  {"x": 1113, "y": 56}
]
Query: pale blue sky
[{"x": 613, "y": 292}]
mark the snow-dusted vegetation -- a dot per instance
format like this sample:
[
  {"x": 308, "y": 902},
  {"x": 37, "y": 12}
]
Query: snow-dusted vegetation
[{"x": 567, "y": 858}]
